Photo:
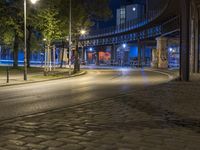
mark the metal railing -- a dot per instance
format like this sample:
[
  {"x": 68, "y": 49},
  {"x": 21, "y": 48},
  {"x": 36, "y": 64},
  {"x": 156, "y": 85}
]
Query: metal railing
[
  {"x": 170, "y": 26},
  {"x": 166, "y": 28}
]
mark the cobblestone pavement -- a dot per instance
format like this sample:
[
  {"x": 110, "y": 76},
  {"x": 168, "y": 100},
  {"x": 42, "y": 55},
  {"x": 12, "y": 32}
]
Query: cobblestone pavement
[{"x": 164, "y": 117}]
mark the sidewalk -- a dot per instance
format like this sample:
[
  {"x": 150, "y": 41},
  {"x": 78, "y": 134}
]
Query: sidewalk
[
  {"x": 35, "y": 74},
  {"x": 163, "y": 117}
]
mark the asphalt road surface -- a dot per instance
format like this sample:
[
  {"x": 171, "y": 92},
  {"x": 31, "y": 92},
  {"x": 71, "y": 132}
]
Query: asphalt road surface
[{"x": 33, "y": 98}]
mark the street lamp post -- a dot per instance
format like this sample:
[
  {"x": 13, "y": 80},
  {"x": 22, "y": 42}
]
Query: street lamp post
[
  {"x": 83, "y": 33},
  {"x": 25, "y": 44},
  {"x": 70, "y": 35},
  {"x": 25, "y": 40}
]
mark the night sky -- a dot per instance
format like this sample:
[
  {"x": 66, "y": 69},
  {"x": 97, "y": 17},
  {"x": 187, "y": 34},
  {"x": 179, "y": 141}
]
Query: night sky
[{"x": 114, "y": 4}]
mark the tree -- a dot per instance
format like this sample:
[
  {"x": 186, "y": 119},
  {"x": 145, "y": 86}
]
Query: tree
[
  {"x": 83, "y": 14},
  {"x": 12, "y": 25},
  {"x": 47, "y": 23},
  {"x": 87, "y": 12},
  {"x": 47, "y": 20},
  {"x": 32, "y": 36}
]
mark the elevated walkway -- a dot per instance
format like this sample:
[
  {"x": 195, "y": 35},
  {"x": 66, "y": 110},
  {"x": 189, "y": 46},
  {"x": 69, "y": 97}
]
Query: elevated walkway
[{"x": 164, "y": 21}]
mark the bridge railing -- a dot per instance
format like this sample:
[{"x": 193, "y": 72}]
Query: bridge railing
[
  {"x": 130, "y": 25},
  {"x": 171, "y": 26}
]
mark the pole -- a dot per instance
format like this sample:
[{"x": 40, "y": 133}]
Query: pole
[
  {"x": 54, "y": 58},
  {"x": 45, "y": 60},
  {"x": 83, "y": 58},
  {"x": 139, "y": 54},
  {"x": 70, "y": 35},
  {"x": 25, "y": 44},
  {"x": 49, "y": 57},
  {"x": 0, "y": 52},
  {"x": 7, "y": 70},
  {"x": 185, "y": 41}
]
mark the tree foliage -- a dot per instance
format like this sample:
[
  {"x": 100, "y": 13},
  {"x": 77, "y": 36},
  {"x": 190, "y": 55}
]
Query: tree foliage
[
  {"x": 50, "y": 18},
  {"x": 48, "y": 23}
]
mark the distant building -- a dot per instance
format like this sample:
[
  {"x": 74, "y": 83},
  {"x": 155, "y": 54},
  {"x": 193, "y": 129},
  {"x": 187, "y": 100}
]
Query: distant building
[
  {"x": 134, "y": 9},
  {"x": 130, "y": 12}
]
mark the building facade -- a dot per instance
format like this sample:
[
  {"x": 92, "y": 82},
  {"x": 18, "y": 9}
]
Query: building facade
[{"x": 129, "y": 11}]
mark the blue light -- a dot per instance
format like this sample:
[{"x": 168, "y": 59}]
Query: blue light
[
  {"x": 90, "y": 49},
  {"x": 124, "y": 45}
]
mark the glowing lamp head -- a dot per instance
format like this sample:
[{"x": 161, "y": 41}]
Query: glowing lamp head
[
  {"x": 34, "y": 1},
  {"x": 124, "y": 45},
  {"x": 83, "y": 32},
  {"x": 90, "y": 49}
]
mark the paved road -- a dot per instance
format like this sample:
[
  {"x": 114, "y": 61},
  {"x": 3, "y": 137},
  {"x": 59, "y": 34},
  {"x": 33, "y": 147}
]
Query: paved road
[
  {"x": 96, "y": 85},
  {"x": 151, "y": 118}
]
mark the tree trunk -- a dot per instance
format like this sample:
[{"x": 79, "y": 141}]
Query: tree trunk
[
  {"x": 49, "y": 59},
  {"x": 29, "y": 47},
  {"x": 76, "y": 62},
  {"x": 62, "y": 56},
  {"x": 54, "y": 57},
  {"x": 15, "y": 51}
]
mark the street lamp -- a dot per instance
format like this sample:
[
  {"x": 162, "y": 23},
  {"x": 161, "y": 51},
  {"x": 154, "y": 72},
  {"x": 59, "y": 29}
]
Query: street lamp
[
  {"x": 25, "y": 40},
  {"x": 34, "y": 1},
  {"x": 90, "y": 49},
  {"x": 124, "y": 45},
  {"x": 83, "y": 32},
  {"x": 70, "y": 35}
]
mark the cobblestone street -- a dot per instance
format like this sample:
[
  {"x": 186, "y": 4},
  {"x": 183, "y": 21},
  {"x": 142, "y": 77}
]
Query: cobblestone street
[
  {"x": 100, "y": 75},
  {"x": 150, "y": 119}
]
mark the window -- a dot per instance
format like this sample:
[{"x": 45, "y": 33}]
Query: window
[{"x": 122, "y": 15}]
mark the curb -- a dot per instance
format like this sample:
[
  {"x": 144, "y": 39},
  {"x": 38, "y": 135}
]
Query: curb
[
  {"x": 30, "y": 82},
  {"x": 172, "y": 76}
]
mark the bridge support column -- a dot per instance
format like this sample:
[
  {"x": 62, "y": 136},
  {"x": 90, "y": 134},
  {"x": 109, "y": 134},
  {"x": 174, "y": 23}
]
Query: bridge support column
[
  {"x": 143, "y": 56},
  {"x": 162, "y": 52},
  {"x": 113, "y": 54},
  {"x": 197, "y": 47},
  {"x": 185, "y": 40},
  {"x": 197, "y": 43},
  {"x": 83, "y": 55},
  {"x": 86, "y": 55},
  {"x": 154, "y": 61},
  {"x": 139, "y": 54},
  {"x": 97, "y": 56}
]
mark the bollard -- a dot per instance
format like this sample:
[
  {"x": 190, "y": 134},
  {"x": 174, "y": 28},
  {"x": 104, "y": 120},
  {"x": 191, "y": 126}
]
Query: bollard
[{"x": 7, "y": 74}]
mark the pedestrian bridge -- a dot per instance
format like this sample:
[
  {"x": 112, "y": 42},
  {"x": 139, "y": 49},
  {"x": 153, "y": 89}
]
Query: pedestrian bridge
[{"x": 161, "y": 22}]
